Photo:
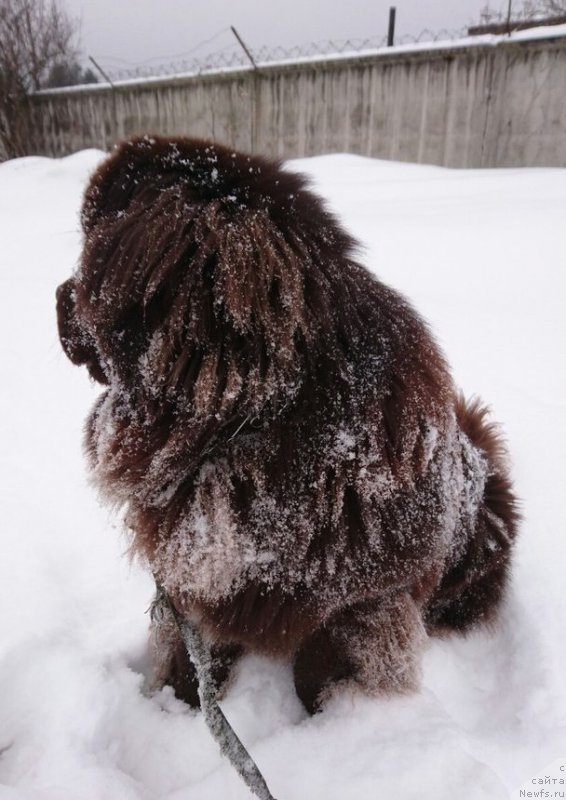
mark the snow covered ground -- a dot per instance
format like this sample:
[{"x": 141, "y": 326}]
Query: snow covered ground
[{"x": 481, "y": 254}]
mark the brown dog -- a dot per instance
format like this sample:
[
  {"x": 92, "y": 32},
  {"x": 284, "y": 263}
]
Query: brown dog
[{"x": 297, "y": 467}]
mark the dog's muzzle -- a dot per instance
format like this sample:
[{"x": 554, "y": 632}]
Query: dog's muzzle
[{"x": 78, "y": 344}]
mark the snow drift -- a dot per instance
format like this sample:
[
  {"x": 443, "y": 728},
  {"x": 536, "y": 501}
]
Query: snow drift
[{"x": 479, "y": 254}]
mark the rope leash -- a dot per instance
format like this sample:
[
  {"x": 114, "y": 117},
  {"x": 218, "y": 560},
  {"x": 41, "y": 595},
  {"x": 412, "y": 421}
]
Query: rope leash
[{"x": 227, "y": 739}]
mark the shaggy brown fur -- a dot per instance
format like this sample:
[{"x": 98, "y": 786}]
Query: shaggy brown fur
[{"x": 297, "y": 467}]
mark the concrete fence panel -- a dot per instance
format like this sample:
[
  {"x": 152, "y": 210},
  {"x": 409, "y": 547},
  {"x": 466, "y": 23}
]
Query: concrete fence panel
[{"x": 497, "y": 104}]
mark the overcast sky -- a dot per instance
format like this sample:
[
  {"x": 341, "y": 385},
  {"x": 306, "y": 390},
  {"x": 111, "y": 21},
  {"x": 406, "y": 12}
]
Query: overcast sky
[{"x": 138, "y": 30}]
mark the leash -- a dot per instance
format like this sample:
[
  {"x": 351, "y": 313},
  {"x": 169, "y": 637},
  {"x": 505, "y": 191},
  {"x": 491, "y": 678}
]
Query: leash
[{"x": 227, "y": 739}]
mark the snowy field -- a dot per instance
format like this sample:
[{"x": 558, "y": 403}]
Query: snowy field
[{"x": 481, "y": 254}]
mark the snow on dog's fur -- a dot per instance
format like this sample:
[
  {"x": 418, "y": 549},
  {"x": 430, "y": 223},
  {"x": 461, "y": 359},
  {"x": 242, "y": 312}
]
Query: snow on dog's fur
[{"x": 298, "y": 469}]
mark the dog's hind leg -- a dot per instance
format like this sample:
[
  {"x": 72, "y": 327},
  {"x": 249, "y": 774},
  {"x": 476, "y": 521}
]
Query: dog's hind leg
[
  {"x": 375, "y": 646},
  {"x": 471, "y": 590}
]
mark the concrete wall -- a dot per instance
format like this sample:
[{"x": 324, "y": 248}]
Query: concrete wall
[{"x": 486, "y": 105}]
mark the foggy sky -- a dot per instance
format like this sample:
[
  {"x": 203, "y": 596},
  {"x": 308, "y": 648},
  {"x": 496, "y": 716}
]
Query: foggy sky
[{"x": 124, "y": 33}]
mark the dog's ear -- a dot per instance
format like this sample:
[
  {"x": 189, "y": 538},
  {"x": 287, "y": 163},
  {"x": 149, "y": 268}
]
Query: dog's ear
[
  {"x": 77, "y": 343},
  {"x": 259, "y": 278}
]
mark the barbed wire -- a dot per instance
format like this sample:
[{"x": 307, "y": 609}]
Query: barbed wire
[{"x": 232, "y": 55}]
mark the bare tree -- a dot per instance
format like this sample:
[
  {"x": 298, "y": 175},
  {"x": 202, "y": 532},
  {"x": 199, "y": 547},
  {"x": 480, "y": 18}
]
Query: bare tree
[
  {"x": 34, "y": 35},
  {"x": 544, "y": 8}
]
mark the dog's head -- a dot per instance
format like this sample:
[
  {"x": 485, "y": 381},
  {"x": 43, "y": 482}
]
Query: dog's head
[{"x": 202, "y": 276}]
